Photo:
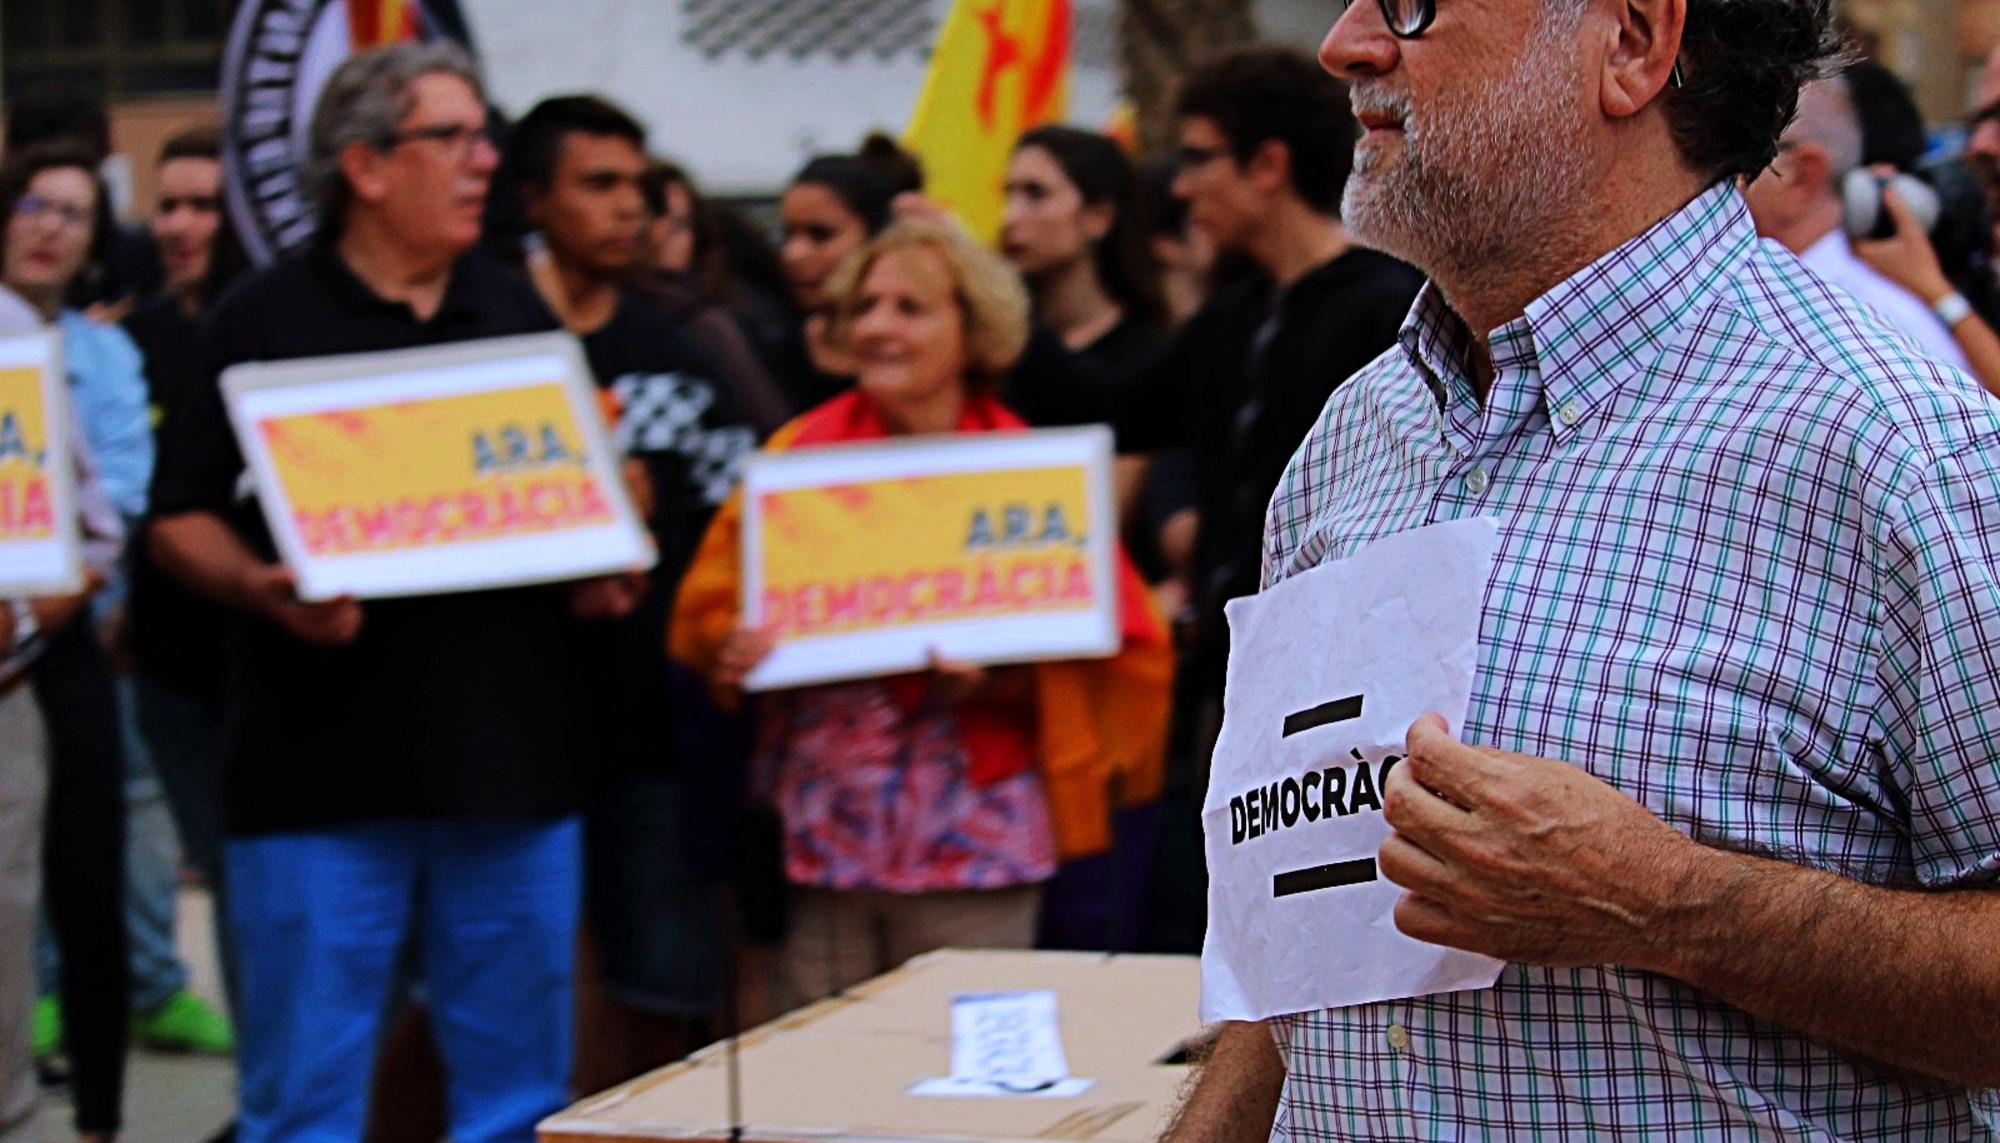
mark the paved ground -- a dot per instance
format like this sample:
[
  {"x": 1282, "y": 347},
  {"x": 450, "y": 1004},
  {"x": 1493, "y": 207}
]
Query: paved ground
[{"x": 171, "y": 1099}]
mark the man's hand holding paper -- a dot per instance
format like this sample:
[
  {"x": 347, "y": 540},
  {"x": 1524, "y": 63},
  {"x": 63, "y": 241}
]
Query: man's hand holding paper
[
  {"x": 1327, "y": 672},
  {"x": 1526, "y": 859}
]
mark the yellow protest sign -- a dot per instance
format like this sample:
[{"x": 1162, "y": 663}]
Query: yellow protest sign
[
  {"x": 40, "y": 552},
  {"x": 455, "y": 468},
  {"x": 991, "y": 548}
]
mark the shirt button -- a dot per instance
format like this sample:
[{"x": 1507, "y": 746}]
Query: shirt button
[
  {"x": 1570, "y": 414},
  {"x": 1476, "y": 481},
  {"x": 1399, "y": 1037}
]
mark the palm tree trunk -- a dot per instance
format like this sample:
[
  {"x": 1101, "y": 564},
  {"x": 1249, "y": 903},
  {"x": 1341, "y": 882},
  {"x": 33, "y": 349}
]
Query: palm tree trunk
[{"x": 1162, "y": 41}]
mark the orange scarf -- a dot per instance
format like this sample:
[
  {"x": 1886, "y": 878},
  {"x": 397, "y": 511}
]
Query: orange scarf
[{"x": 1101, "y": 727}]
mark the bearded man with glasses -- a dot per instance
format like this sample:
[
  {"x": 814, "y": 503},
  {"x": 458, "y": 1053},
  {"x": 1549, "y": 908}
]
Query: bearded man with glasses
[
  {"x": 400, "y": 774},
  {"x": 1726, "y": 802}
]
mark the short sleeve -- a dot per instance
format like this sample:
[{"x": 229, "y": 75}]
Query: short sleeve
[{"x": 1939, "y": 719}]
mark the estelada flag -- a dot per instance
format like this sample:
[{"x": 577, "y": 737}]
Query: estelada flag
[
  {"x": 373, "y": 23},
  {"x": 999, "y": 68}
]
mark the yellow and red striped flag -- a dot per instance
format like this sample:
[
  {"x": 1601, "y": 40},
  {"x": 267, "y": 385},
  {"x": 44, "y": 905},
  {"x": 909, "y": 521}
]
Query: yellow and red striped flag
[
  {"x": 373, "y": 23},
  {"x": 999, "y": 68}
]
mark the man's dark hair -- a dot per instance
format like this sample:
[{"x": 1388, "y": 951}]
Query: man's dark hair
[
  {"x": 535, "y": 144},
  {"x": 1742, "y": 64},
  {"x": 1892, "y": 129},
  {"x": 21, "y": 167},
  {"x": 1267, "y": 93},
  {"x": 204, "y": 142},
  {"x": 58, "y": 112}
]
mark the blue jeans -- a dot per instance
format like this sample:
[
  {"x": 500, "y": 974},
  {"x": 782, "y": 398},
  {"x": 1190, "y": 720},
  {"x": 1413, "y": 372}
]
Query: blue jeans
[
  {"x": 319, "y": 920},
  {"x": 152, "y": 869}
]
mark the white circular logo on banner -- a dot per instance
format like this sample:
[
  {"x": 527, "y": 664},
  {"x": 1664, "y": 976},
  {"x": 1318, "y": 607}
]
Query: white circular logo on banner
[{"x": 280, "y": 55}]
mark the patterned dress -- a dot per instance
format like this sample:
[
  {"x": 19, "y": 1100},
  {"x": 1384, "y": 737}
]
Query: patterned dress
[{"x": 877, "y": 797}]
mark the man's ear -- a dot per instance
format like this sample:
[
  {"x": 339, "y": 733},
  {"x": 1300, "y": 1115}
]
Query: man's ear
[
  {"x": 1812, "y": 170},
  {"x": 364, "y": 168},
  {"x": 1270, "y": 167},
  {"x": 1645, "y": 46},
  {"x": 532, "y": 202}
]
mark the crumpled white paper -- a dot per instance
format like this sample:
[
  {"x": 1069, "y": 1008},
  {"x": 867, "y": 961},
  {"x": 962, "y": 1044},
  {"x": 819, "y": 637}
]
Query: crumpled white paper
[{"x": 1327, "y": 670}]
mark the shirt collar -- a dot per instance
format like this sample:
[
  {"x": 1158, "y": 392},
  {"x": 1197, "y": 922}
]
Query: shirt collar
[
  {"x": 357, "y": 296},
  {"x": 1603, "y": 324}
]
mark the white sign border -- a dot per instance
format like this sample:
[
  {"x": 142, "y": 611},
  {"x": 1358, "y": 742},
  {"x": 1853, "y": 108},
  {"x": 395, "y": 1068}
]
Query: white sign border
[
  {"x": 257, "y": 390},
  {"x": 62, "y": 575},
  {"x": 995, "y": 641}
]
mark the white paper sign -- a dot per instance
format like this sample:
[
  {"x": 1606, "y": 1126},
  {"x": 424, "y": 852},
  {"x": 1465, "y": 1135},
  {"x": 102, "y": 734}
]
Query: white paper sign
[
  {"x": 449, "y": 468},
  {"x": 1327, "y": 671},
  {"x": 1009, "y": 1041}
]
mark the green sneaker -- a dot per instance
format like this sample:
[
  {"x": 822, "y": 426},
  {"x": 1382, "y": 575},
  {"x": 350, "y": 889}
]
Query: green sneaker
[
  {"x": 45, "y": 1027},
  {"x": 186, "y": 1023}
]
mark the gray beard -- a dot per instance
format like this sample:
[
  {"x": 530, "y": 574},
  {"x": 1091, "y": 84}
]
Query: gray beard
[{"x": 1478, "y": 181}]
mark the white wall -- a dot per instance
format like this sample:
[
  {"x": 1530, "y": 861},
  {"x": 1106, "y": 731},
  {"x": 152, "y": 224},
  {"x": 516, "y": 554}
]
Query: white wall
[{"x": 743, "y": 126}]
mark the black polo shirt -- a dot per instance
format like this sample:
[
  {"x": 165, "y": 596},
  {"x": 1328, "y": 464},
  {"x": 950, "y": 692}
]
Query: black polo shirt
[{"x": 449, "y": 706}]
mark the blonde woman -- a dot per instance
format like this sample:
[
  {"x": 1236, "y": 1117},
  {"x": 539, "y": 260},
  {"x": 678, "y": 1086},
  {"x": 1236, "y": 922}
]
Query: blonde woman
[{"x": 925, "y": 810}]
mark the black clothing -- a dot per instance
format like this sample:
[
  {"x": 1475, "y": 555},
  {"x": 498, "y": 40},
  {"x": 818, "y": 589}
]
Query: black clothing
[
  {"x": 1242, "y": 384},
  {"x": 176, "y": 634},
  {"x": 1239, "y": 389},
  {"x": 83, "y": 867},
  {"x": 130, "y": 270},
  {"x": 692, "y": 435},
  {"x": 445, "y": 706},
  {"x": 1055, "y": 386}
]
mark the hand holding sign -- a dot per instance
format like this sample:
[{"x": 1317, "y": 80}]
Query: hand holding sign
[
  {"x": 1326, "y": 671},
  {"x": 273, "y": 592},
  {"x": 741, "y": 652},
  {"x": 1526, "y": 859}
]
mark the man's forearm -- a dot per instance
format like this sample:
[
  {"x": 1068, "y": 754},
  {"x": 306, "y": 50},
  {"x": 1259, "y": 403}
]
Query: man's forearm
[
  {"x": 202, "y": 551},
  {"x": 1234, "y": 1096},
  {"x": 1908, "y": 978}
]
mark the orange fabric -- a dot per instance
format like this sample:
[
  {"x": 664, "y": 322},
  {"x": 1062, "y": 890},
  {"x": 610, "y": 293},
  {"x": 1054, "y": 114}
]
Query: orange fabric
[
  {"x": 607, "y": 404},
  {"x": 1101, "y": 734}
]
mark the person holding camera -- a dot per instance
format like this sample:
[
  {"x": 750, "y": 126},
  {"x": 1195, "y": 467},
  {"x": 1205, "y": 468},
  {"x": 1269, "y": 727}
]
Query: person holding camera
[{"x": 1801, "y": 201}]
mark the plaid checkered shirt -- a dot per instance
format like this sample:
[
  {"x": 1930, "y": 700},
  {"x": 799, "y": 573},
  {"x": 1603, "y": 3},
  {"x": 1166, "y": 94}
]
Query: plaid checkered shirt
[{"x": 1749, "y": 575}]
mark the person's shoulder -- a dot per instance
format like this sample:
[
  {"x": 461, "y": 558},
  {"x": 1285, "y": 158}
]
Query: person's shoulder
[
  {"x": 275, "y": 288},
  {"x": 150, "y": 320},
  {"x": 1825, "y": 361},
  {"x": 93, "y": 344},
  {"x": 16, "y": 315},
  {"x": 504, "y": 295},
  {"x": 1362, "y": 283},
  {"x": 1364, "y": 264}
]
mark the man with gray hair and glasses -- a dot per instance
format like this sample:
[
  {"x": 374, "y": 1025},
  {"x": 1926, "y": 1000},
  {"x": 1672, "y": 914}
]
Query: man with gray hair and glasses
[
  {"x": 396, "y": 774},
  {"x": 1727, "y": 802}
]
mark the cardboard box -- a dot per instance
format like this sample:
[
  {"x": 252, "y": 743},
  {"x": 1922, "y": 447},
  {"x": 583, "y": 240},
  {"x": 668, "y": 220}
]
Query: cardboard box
[{"x": 841, "y": 1070}]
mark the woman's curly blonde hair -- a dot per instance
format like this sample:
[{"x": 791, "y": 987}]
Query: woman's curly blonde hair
[{"x": 989, "y": 293}]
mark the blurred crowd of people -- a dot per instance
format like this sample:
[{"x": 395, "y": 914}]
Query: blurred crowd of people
[{"x": 419, "y": 805}]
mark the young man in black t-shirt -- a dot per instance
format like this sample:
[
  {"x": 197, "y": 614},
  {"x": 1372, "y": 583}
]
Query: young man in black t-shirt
[
  {"x": 654, "y": 904},
  {"x": 398, "y": 774},
  {"x": 1266, "y": 144}
]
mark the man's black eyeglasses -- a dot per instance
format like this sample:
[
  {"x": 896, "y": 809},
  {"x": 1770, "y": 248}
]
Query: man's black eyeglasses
[
  {"x": 1408, "y": 19},
  {"x": 458, "y": 138}
]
